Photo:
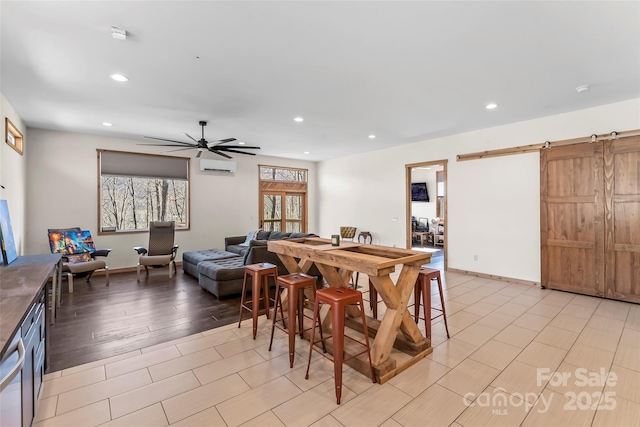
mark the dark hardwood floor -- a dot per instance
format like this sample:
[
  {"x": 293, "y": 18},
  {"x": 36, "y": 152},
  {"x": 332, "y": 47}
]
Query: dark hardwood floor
[{"x": 99, "y": 321}]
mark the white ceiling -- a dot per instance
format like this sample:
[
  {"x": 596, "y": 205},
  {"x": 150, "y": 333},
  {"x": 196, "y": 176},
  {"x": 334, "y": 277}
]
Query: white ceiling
[{"x": 404, "y": 71}]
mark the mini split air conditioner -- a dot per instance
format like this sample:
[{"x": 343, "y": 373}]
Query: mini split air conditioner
[{"x": 218, "y": 165}]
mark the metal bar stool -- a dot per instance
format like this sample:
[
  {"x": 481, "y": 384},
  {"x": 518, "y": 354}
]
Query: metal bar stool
[
  {"x": 423, "y": 285},
  {"x": 295, "y": 284},
  {"x": 259, "y": 274},
  {"x": 339, "y": 299}
]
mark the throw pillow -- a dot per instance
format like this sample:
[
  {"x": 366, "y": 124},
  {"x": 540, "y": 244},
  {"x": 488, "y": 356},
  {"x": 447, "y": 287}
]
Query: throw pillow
[{"x": 251, "y": 236}]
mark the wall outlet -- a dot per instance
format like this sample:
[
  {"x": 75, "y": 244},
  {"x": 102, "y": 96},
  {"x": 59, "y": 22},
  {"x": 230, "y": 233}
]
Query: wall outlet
[
  {"x": 475, "y": 257},
  {"x": 395, "y": 218}
]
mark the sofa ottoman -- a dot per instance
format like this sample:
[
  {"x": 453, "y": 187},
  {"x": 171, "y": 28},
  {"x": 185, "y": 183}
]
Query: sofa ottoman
[
  {"x": 190, "y": 260},
  {"x": 222, "y": 277}
]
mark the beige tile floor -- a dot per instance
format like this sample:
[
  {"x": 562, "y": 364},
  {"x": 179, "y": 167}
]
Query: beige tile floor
[{"x": 518, "y": 356}]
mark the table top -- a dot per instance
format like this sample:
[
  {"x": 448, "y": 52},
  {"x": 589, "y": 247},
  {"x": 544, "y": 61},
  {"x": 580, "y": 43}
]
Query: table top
[
  {"x": 20, "y": 285},
  {"x": 372, "y": 260}
]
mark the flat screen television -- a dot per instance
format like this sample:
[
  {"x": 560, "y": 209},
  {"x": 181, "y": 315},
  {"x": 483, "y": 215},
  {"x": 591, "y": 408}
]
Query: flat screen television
[{"x": 419, "y": 192}]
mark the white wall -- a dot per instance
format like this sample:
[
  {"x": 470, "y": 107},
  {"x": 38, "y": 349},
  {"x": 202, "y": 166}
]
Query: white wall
[
  {"x": 493, "y": 204},
  {"x": 62, "y": 192},
  {"x": 13, "y": 174}
]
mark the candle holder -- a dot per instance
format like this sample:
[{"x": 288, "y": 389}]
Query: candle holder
[{"x": 335, "y": 240}]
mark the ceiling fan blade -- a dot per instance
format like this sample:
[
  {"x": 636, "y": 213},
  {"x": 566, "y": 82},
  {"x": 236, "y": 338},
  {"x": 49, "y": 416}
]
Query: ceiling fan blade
[
  {"x": 224, "y": 141},
  {"x": 171, "y": 145},
  {"x": 179, "y": 149},
  {"x": 190, "y": 137},
  {"x": 169, "y": 140},
  {"x": 199, "y": 154},
  {"x": 219, "y": 141},
  {"x": 231, "y": 150},
  {"x": 219, "y": 153},
  {"x": 239, "y": 147}
]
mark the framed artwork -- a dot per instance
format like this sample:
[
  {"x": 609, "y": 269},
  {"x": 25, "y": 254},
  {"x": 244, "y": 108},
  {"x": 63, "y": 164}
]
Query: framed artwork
[
  {"x": 78, "y": 242},
  {"x": 12, "y": 136},
  {"x": 8, "y": 244},
  {"x": 75, "y": 245}
]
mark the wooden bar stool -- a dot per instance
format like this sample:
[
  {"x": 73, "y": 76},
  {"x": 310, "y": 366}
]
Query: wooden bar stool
[
  {"x": 259, "y": 274},
  {"x": 339, "y": 298},
  {"x": 423, "y": 285},
  {"x": 295, "y": 284}
]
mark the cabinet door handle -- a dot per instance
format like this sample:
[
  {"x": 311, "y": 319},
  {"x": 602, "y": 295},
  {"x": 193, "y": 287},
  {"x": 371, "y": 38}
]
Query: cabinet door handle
[{"x": 14, "y": 371}]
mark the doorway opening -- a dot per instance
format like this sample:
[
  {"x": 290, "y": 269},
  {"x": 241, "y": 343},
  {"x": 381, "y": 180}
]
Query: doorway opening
[{"x": 427, "y": 210}]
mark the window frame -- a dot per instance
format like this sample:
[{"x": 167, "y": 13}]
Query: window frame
[
  {"x": 141, "y": 230},
  {"x": 283, "y": 188},
  {"x": 12, "y": 132}
]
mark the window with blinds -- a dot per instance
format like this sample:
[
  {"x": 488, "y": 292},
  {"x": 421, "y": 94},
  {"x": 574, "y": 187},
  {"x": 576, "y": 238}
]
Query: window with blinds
[{"x": 137, "y": 188}]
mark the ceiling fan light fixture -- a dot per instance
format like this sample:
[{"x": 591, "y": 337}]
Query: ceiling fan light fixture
[
  {"x": 582, "y": 88},
  {"x": 491, "y": 106},
  {"x": 306, "y": 152},
  {"x": 107, "y": 124},
  {"x": 372, "y": 136},
  {"x": 298, "y": 119}
]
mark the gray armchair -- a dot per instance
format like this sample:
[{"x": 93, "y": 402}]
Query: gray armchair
[{"x": 162, "y": 250}]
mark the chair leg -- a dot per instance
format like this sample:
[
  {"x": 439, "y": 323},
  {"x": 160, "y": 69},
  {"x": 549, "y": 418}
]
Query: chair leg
[
  {"x": 366, "y": 339},
  {"x": 170, "y": 271},
  {"x": 337, "y": 326},
  {"x": 444, "y": 313},
  {"x": 275, "y": 310},
  {"x": 70, "y": 280},
  {"x": 138, "y": 272},
  {"x": 316, "y": 320},
  {"x": 106, "y": 272},
  {"x": 417, "y": 289},
  {"x": 243, "y": 297},
  {"x": 426, "y": 304}
]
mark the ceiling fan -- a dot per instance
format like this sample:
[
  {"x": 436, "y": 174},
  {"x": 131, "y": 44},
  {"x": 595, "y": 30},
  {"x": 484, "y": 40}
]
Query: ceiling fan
[{"x": 216, "y": 146}]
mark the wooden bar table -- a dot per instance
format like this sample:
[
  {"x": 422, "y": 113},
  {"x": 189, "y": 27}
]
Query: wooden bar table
[{"x": 338, "y": 263}]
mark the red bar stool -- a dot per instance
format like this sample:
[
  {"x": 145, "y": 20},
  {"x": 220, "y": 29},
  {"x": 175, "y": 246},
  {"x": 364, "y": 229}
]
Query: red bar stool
[
  {"x": 259, "y": 274},
  {"x": 295, "y": 284},
  {"x": 339, "y": 299},
  {"x": 423, "y": 285}
]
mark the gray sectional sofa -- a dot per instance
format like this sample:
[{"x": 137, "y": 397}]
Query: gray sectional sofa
[{"x": 221, "y": 271}]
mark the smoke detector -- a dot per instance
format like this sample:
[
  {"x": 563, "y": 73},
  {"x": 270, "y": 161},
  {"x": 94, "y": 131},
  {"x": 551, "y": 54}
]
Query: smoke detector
[{"x": 118, "y": 34}]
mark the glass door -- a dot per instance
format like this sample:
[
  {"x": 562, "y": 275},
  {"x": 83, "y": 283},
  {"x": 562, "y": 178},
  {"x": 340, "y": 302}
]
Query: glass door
[{"x": 282, "y": 211}]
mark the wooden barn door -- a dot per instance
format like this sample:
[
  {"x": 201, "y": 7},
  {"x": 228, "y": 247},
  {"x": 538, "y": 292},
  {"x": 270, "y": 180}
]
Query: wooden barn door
[
  {"x": 572, "y": 223},
  {"x": 622, "y": 219},
  {"x": 590, "y": 218}
]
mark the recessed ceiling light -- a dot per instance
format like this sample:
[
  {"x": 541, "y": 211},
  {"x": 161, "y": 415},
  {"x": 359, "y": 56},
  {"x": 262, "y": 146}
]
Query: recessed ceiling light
[
  {"x": 371, "y": 136},
  {"x": 582, "y": 88},
  {"x": 107, "y": 124},
  {"x": 491, "y": 106},
  {"x": 240, "y": 143},
  {"x": 298, "y": 119},
  {"x": 118, "y": 33},
  {"x": 306, "y": 152},
  {"x": 119, "y": 78}
]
